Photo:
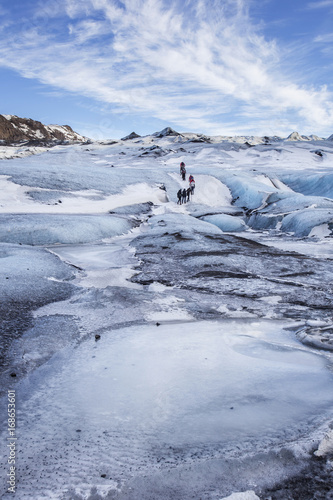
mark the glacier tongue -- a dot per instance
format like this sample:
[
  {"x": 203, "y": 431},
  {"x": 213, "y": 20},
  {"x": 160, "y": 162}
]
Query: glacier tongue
[{"x": 161, "y": 348}]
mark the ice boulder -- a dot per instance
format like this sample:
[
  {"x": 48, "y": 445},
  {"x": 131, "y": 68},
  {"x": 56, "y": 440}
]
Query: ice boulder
[
  {"x": 182, "y": 223},
  {"x": 303, "y": 222},
  {"x": 226, "y": 223},
  {"x": 49, "y": 229},
  {"x": 249, "y": 192},
  {"x": 313, "y": 185}
]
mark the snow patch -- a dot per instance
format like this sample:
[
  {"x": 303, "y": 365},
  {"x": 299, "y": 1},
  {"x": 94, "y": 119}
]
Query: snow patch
[
  {"x": 210, "y": 191},
  {"x": 326, "y": 445},
  {"x": 271, "y": 299},
  {"x": 321, "y": 231},
  {"x": 169, "y": 310},
  {"x": 246, "y": 495},
  {"x": 14, "y": 199}
]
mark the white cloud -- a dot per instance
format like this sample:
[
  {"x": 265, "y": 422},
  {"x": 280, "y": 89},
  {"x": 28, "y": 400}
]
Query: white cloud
[
  {"x": 195, "y": 68},
  {"x": 320, "y": 5},
  {"x": 326, "y": 38}
]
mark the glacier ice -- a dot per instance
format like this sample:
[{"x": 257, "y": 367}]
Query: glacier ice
[
  {"x": 225, "y": 222},
  {"x": 161, "y": 399},
  {"x": 141, "y": 331},
  {"x": 46, "y": 229},
  {"x": 302, "y": 222}
]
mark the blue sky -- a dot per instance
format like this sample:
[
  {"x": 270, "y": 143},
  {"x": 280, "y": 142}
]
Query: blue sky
[{"x": 227, "y": 67}]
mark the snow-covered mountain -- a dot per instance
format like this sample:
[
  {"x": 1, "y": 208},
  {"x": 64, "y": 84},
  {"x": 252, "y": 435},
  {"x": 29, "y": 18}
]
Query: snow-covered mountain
[
  {"x": 161, "y": 350},
  {"x": 295, "y": 136},
  {"x": 178, "y": 137},
  {"x": 15, "y": 130}
]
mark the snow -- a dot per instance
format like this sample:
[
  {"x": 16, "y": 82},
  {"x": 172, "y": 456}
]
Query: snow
[
  {"x": 321, "y": 231},
  {"x": 326, "y": 445},
  {"x": 211, "y": 191},
  {"x": 169, "y": 310},
  {"x": 16, "y": 199},
  {"x": 103, "y": 264},
  {"x": 295, "y": 136},
  {"x": 246, "y": 495},
  {"x": 9, "y": 152}
]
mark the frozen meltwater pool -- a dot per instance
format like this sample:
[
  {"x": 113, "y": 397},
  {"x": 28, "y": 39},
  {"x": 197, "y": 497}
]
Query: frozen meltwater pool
[
  {"x": 113, "y": 405},
  {"x": 202, "y": 382}
]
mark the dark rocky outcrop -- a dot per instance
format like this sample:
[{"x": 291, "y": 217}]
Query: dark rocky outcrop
[
  {"x": 166, "y": 132},
  {"x": 14, "y": 130},
  {"x": 132, "y": 135}
]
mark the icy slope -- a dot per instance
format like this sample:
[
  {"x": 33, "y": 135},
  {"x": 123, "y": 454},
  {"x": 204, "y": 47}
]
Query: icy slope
[{"x": 149, "y": 342}]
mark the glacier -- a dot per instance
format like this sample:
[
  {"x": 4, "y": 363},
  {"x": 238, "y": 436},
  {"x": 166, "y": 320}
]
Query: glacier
[{"x": 169, "y": 351}]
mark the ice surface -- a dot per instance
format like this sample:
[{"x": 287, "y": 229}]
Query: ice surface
[
  {"x": 210, "y": 388},
  {"x": 22, "y": 199},
  {"x": 312, "y": 184},
  {"x": 104, "y": 265},
  {"x": 25, "y": 269},
  {"x": 303, "y": 222},
  {"x": 249, "y": 191},
  {"x": 44, "y": 229},
  {"x": 29, "y": 278},
  {"x": 226, "y": 223},
  {"x": 193, "y": 378}
]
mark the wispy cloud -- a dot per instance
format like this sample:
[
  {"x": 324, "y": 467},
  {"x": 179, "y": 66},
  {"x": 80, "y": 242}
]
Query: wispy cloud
[
  {"x": 199, "y": 65},
  {"x": 320, "y": 5},
  {"x": 326, "y": 38}
]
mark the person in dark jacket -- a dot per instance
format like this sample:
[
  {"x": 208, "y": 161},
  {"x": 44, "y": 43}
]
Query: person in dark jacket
[
  {"x": 183, "y": 170},
  {"x": 179, "y": 196},
  {"x": 188, "y": 192},
  {"x": 184, "y": 195}
]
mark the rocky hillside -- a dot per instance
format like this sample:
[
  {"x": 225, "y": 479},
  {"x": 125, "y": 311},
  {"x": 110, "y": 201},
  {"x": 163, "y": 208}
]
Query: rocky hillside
[{"x": 15, "y": 130}]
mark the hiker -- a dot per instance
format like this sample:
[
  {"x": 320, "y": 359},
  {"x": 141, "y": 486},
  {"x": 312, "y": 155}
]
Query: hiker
[
  {"x": 183, "y": 170},
  {"x": 184, "y": 195},
  {"x": 179, "y": 196},
  {"x": 192, "y": 183},
  {"x": 188, "y": 192}
]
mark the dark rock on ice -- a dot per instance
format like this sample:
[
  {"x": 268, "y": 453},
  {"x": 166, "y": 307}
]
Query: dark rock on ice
[
  {"x": 132, "y": 135},
  {"x": 168, "y": 131}
]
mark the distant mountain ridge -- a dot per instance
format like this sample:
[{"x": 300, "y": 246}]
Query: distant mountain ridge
[
  {"x": 26, "y": 131},
  {"x": 295, "y": 136},
  {"x": 182, "y": 137},
  {"x": 15, "y": 130}
]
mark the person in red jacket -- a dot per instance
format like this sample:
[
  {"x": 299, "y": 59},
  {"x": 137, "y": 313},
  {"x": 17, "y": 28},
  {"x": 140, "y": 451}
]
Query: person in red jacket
[{"x": 191, "y": 183}]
